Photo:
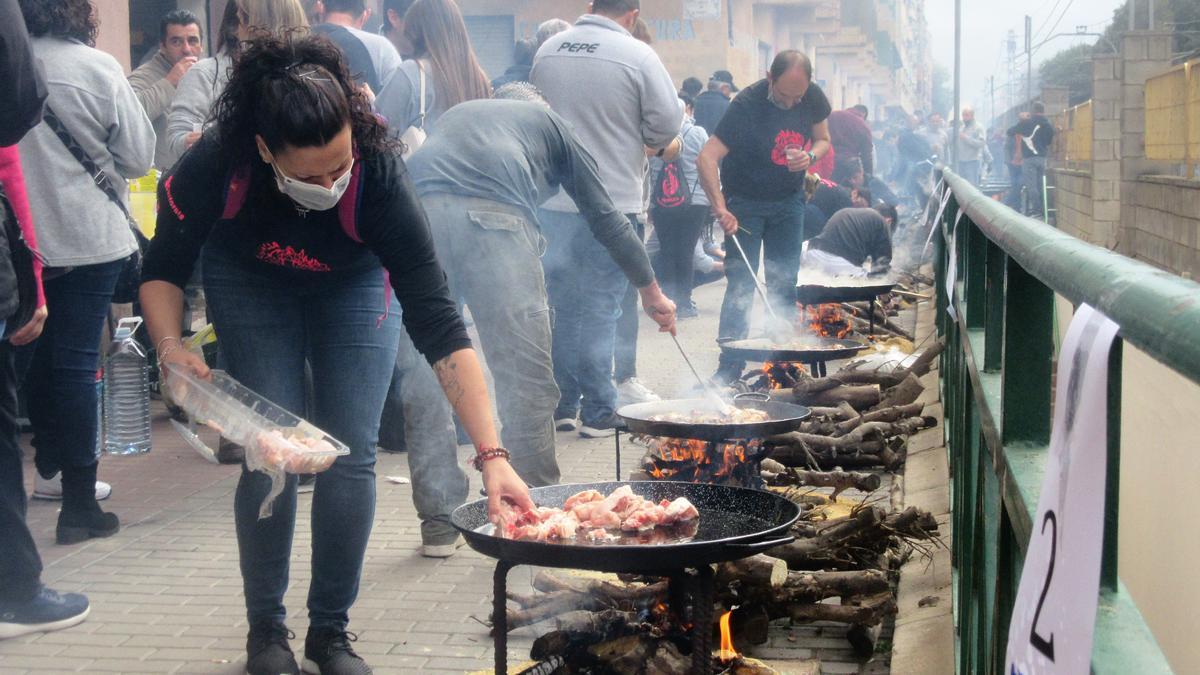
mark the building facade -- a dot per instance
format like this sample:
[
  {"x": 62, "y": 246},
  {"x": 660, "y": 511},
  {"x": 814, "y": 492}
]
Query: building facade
[{"x": 874, "y": 52}]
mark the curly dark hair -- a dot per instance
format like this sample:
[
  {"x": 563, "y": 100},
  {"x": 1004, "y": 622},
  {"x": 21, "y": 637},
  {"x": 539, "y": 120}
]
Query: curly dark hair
[
  {"x": 294, "y": 90},
  {"x": 70, "y": 19}
]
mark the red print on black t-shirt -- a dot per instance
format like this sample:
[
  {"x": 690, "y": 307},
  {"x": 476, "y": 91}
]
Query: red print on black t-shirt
[{"x": 782, "y": 141}]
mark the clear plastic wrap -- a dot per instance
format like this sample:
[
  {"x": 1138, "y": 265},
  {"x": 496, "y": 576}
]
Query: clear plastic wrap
[{"x": 276, "y": 441}]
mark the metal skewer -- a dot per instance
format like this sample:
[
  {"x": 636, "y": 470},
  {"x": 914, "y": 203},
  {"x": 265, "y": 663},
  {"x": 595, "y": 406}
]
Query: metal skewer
[
  {"x": 708, "y": 388},
  {"x": 778, "y": 326}
]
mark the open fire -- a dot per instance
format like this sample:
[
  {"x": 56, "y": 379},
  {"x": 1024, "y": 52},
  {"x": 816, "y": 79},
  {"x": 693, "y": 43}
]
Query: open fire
[
  {"x": 727, "y": 653},
  {"x": 828, "y": 320},
  {"x": 695, "y": 461}
]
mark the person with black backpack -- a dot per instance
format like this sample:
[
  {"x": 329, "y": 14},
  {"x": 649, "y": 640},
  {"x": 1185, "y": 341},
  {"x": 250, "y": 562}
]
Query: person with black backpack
[
  {"x": 679, "y": 211},
  {"x": 26, "y": 605},
  {"x": 305, "y": 221}
]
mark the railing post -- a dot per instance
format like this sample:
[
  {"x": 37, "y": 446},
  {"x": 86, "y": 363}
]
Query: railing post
[
  {"x": 993, "y": 337},
  {"x": 1112, "y": 471},
  {"x": 1028, "y": 358},
  {"x": 975, "y": 274}
]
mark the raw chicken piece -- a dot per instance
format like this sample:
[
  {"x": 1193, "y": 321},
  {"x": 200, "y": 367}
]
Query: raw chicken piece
[
  {"x": 645, "y": 517},
  {"x": 600, "y": 534},
  {"x": 603, "y": 519},
  {"x": 680, "y": 510},
  {"x": 593, "y": 516},
  {"x": 585, "y": 497}
]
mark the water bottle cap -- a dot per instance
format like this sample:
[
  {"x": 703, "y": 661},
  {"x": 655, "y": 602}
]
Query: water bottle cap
[{"x": 127, "y": 327}]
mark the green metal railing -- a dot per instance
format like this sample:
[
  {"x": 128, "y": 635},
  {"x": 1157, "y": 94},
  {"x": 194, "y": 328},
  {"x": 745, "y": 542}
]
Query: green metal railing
[{"x": 996, "y": 378}]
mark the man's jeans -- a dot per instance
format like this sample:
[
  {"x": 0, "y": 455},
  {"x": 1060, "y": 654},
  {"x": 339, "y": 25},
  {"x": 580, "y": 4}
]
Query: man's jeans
[
  {"x": 1033, "y": 170},
  {"x": 439, "y": 482},
  {"x": 969, "y": 170},
  {"x": 60, "y": 383},
  {"x": 585, "y": 288},
  {"x": 267, "y": 327},
  {"x": 1012, "y": 197},
  {"x": 20, "y": 565},
  {"x": 491, "y": 252},
  {"x": 777, "y": 228}
]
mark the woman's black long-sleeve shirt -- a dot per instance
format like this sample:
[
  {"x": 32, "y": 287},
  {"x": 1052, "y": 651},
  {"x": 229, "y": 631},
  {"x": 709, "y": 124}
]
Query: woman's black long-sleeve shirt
[{"x": 270, "y": 236}]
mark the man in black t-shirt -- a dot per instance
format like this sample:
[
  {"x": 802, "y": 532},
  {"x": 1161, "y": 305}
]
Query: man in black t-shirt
[{"x": 758, "y": 193}]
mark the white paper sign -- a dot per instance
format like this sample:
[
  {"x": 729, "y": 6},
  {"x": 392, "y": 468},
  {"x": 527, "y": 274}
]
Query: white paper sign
[
  {"x": 952, "y": 267},
  {"x": 701, "y": 9},
  {"x": 933, "y": 229},
  {"x": 1055, "y": 611}
]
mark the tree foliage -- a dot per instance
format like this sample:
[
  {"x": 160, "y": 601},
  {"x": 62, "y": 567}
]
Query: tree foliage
[{"x": 1070, "y": 68}]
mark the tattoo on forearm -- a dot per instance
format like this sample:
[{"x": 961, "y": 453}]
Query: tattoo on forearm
[{"x": 447, "y": 374}]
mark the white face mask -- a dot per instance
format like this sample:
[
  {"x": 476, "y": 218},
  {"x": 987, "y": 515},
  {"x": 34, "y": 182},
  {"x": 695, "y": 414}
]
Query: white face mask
[{"x": 313, "y": 197}]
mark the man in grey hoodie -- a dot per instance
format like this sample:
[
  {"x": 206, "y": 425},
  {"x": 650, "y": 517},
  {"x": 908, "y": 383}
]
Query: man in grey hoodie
[
  {"x": 619, "y": 99},
  {"x": 181, "y": 44}
]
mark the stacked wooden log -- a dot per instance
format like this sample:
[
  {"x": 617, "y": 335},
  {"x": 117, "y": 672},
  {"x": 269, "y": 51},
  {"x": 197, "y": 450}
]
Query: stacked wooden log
[{"x": 861, "y": 418}]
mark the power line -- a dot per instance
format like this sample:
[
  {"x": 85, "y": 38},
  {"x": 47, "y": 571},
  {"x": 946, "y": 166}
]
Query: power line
[{"x": 1045, "y": 21}]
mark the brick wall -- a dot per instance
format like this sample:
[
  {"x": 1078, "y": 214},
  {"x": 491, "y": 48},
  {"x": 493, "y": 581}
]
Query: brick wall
[
  {"x": 1162, "y": 224},
  {"x": 1073, "y": 203}
]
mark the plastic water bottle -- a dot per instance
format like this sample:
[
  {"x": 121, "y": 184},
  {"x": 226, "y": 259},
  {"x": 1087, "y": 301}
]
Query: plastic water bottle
[{"x": 126, "y": 393}]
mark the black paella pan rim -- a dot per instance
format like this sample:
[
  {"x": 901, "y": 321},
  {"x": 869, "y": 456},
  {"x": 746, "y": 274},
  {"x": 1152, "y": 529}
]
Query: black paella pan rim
[
  {"x": 823, "y": 349},
  {"x": 783, "y": 417},
  {"x": 818, "y": 294},
  {"x": 734, "y": 523}
]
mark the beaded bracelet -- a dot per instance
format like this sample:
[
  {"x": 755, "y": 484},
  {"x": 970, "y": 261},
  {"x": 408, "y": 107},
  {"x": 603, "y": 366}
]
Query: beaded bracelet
[{"x": 488, "y": 454}]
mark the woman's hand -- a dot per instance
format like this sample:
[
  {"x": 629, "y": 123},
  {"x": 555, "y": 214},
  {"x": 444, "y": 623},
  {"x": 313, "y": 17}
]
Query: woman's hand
[
  {"x": 32, "y": 329},
  {"x": 658, "y": 307},
  {"x": 504, "y": 485},
  {"x": 190, "y": 361}
]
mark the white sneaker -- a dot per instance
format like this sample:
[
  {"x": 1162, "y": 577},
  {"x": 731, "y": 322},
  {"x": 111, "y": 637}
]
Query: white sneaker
[
  {"x": 441, "y": 550},
  {"x": 633, "y": 391},
  {"x": 566, "y": 424},
  {"x": 51, "y": 488}
]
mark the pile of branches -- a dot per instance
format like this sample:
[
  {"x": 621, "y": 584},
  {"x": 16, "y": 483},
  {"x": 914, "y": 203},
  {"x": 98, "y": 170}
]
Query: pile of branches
[{"x": 860, "y": 418}]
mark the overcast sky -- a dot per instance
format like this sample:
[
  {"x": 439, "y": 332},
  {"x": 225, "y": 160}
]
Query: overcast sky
[{"x": 985, "y": 25}]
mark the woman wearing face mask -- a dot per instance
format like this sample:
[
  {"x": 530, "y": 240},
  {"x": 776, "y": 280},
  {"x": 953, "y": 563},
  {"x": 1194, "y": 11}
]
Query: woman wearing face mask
[{"x": 263, "y": 198}]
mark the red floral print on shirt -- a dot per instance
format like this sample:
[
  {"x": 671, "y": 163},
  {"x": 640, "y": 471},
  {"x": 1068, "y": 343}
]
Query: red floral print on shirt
[
  {"x": 782, "y": 141},
  {"x": 286, "y": 256}
]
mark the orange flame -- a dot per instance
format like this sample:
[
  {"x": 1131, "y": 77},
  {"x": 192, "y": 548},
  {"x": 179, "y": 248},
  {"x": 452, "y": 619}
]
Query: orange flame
[
  {"x": 775, "y": 371},
  {"x": 828, "y": 320},
  {"x": 726, "y": 456},
  {"x": 727, "y": 653}
]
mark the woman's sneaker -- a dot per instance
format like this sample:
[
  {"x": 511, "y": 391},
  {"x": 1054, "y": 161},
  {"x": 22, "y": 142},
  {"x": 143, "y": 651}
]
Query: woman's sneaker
[
  {"x": 51, "y": 488},
  {"x": 327, "y": 651},
  {"x": 47, "y": 611},
  {"x": 268, "y": 651}
]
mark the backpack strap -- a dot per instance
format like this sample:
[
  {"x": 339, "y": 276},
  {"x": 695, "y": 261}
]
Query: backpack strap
[
  {"x": 348, "y": 208},
  {"x": 236, "y": 191}
]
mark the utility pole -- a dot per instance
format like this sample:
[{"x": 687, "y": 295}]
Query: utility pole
[
  {"x": 957, "y": 84},
  {"x": 1028, "y": 59},
  {"x": 1011, "y": 81},
  {"x": 992, "y": 106}
]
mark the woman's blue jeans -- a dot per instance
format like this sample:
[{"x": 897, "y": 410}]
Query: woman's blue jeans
[
  {"x": 60, "y": 382},
  {"x": 266, "y": 328}
]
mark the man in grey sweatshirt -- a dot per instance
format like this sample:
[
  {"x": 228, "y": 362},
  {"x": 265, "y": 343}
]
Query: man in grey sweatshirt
[
  {"x": 973, "y": 152},
  {"x": 619, "y": 99},
  {"x": 181, "y": 44}
]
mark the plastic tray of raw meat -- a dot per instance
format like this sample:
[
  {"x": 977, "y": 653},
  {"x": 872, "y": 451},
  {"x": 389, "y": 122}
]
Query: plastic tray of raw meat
[{"x": 275, "y": 439}]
